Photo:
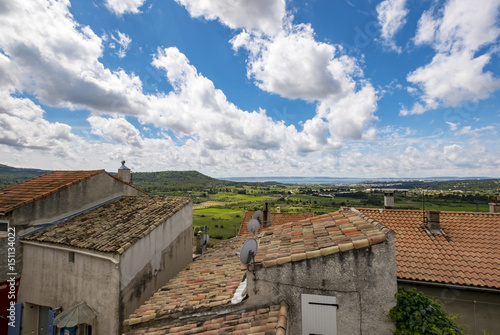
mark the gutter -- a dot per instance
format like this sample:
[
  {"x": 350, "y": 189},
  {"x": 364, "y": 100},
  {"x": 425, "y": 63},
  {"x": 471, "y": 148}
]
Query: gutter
[
  {"x": 78, "y": 251},
  {"x": 450, "y": 286}
]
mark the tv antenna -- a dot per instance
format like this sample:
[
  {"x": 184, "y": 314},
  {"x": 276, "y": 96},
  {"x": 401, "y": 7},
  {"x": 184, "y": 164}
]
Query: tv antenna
[
  {"x": 248, "y": 252},
  {"x": 257, "y": 216},
  {"x": 247, "y": 256},
  {"x": 253, "y": 225}
]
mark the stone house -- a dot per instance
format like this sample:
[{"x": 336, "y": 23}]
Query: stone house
[
  {"x": 106, "y": 261},
  {"x": 453, "y": 257},
  {"x": 330, "y": 274},
  {"x": 44, "y": 201}
]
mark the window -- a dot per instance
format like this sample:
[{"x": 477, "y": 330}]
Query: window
[
  {"x": 319, "y": 315},
  {"x": 4, "y": 227},
  {"x": 71, "y": 258}
]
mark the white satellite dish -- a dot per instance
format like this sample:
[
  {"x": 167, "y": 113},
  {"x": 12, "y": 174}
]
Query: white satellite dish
[
  {"x": 257, "y": 216},
  {"x": 253, "y": 225},
  {"x": 248, "y": 251}
]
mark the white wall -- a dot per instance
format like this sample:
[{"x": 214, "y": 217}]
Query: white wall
[
  {"x": 49, "y": 279},
  {"x": 147, "y": 265},
  {"x": 150, "y": 248}
]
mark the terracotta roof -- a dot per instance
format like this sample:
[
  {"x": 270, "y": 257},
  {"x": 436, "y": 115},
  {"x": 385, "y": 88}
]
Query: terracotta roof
[
  {"x": 21, "y": 194},
  {"x": 315, "y": 237},
  {"x": 114, "y": 226},
  {"x": 269, "y": 320},
  {"x": 26, "y": 192},
  {"x": 468, "y": 253},
  {"x": 276, "y": 219},
  {"x": 208, "y": 282}
]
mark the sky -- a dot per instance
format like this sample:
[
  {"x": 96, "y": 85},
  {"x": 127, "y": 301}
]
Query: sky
[{"x": 234, "y": 88}]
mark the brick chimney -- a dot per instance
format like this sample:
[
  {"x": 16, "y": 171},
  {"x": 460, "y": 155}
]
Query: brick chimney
[
  {"x": 124, "y": 173},
  {"x": 494, "y": 204},
  {"x": 389, "y": 199},
  {"x": 433, "y": 221}
]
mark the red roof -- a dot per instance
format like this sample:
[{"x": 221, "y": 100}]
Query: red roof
[
  {"x": 276, "y": 219},
  {"x": 26, "y": 192},
  {"x": 21, "y": 194},
  {"x": 467, "y": 254}
]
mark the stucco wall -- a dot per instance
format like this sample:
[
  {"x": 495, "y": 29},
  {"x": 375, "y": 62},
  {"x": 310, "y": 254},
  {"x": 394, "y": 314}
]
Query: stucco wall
[
  {"x": 71, "y": 200},
  {"x": 152, "y": 261},
  {"x": 478, "y": 311},
  {"x": 59, "y": 205},
  {"x": 363, "y": 281},
  {"x": 49, "y": 279}
]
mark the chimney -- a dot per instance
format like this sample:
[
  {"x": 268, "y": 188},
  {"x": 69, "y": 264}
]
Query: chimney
[
  {"x": 433, "y": 221},
  {"x": 266, "y": 220},
  {"x": 495, "y": 204},
  {"x": 278, "y": 209},
  {"x": 124, "y": 173},
  {"x": 389, "y": 199}
]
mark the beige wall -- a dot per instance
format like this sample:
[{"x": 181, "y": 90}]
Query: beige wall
[
  {"x": 71, "y": 200},
  {"x": 49, "y": 279},
  {"x": 112, "y": 289},
  {"x": 478, "y": 311},
  {"x": 66, "y": 202},
  {"x": 147, "y": 265},
  {"x": 363, "y": 282}
]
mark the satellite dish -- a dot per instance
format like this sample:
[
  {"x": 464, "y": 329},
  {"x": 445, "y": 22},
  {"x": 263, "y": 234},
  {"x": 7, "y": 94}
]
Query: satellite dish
[
  {"x": 248, "y": 251},
  {"x": 253, "y": 225},
  {"x": 257, "y": 216}
]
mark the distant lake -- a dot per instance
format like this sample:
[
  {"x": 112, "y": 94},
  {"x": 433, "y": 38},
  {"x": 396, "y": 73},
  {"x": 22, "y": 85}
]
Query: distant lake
[{"x": 333, "y": 180}]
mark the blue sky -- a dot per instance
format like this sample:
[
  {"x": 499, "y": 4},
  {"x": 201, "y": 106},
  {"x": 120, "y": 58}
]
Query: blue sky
[{"x": 348, "y": 88}]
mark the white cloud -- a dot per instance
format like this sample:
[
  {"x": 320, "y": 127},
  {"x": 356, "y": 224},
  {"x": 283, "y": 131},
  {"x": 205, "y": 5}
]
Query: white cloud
[
  {"x": 124, "y": 41},
  {"x": 391, "y": 15},
  {"x": 296, "y": 66},
  {"x": 264, "y": 16},
  {"x": 467, "y": 130},
  {"x": 463, "y": 35},
  {"x": 120, "y": 7},
  {"x": 453, "y": 126},
  {"x": 23, "y": 127},
  {"x": 57, "y": 60}
]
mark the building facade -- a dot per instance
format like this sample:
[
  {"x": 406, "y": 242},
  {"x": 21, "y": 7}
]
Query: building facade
[
  {"x": 111, "y": 258},
  {"x": 44, "y": 201}
]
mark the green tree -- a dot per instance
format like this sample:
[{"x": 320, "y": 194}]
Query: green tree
[{"x": 417, "y": 314}]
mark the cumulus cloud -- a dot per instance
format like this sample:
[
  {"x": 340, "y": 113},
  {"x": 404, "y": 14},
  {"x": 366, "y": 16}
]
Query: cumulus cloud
[
  {"x": 57, "y": 60},
  {"x": 23, "y": 127},
  {"x": 391, "y": 15},
  {"x": 463, "y": 36},
  {"x": 124, "y": 41},
  {"x": 263, "y": 16},
  {"x": 196, "y": 107},
  {"x": 296, "y": 66},
  {"x": 120, "y": 7}
]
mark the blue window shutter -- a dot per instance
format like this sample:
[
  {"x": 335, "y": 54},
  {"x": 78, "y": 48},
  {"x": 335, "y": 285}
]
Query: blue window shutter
[
  {"x": 16, "y": 330},
  {"x": 51, "y": 329}
]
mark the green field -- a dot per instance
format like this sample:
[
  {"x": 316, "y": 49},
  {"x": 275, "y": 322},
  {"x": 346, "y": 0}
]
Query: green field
[{"x": 223, "y": 223}]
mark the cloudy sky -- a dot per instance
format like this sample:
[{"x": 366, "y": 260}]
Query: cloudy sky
[{"x": 346, "y": 88}]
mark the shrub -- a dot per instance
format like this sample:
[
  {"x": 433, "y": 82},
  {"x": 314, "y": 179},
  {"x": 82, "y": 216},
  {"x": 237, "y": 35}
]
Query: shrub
[{"x": 416, "y": 314}]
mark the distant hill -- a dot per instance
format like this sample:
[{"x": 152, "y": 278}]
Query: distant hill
[
  {"x": 169, "y": 181},
  {"x": 153, "y": 182},
  {"x": 10, "y": 175}
]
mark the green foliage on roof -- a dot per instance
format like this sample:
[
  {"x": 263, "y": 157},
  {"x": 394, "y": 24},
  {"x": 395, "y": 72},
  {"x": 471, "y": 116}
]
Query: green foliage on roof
[{"x": 417, "y": 314}]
